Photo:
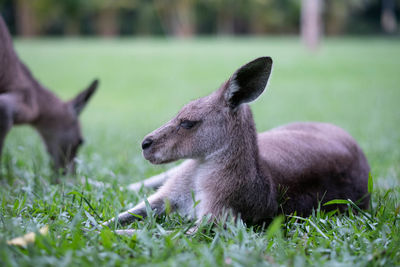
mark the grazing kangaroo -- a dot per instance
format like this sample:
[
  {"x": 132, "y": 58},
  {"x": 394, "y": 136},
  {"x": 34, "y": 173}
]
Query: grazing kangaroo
[
  {"x": 229, "y": 167},
  {"x": 23, "y": 100}
]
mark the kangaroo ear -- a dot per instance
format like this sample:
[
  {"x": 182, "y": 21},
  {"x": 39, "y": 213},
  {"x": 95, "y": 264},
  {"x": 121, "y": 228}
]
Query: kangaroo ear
[
  {"x": 80, "y": 101},
  {"x": 248, "y": 82}
]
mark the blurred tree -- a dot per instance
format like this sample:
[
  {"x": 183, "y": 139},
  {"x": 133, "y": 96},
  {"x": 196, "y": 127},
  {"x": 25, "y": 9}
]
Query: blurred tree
[
  {"x": 311, "y": 23},
  {"x": 226, "y": 10},
  {"x": 271, "y": 16},
  {"x": 184, "y": 18},
  {"x": 176, "y": 16},
  {"x": 336, "y": 16},
  {"x": 253, "y": 17},
  {"x": 388, "y": 16},
  {"x": 222, "y": 12},
  {"x": 68, "y": 13},
  {"x": 205, "y": 17},
  {"x": 26, "y": 19},
  {"x": 73, "y": 11},
  {"x": 148, "y": 20},
  {"x": 360, "y": 16},
  {"x": 7, "y": 12},
  {"x": 107, "y": 22},
  {"x": 107, "y": 14}
]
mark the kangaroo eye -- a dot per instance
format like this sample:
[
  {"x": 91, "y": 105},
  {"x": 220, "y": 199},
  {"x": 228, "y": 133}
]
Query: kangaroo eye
[{"x": 187, "y": 124}]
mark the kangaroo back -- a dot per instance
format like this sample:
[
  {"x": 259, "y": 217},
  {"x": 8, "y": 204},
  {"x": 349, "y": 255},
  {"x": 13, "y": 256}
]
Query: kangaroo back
[{"x": 312, "y": 163}]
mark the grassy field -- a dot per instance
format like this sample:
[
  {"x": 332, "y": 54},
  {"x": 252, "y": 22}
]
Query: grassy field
[{"x": 354, "y": 83}]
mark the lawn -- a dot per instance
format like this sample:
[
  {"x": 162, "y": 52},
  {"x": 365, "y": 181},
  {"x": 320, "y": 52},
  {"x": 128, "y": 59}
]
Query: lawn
[{"x": 352, "y": 82}]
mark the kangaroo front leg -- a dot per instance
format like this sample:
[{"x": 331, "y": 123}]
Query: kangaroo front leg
[
  {"x": 153, "y": 182},
  {"x": 177, "y": 190},
  {"x": 158, "y": 180},
  {"x": 6, "y": 117},
  {"x": 156, "y": 202}
]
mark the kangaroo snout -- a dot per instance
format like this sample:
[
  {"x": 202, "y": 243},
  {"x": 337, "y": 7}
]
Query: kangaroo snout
[
  {"x": 146, "y": 143},
  {"x": 149, "y": 150}
]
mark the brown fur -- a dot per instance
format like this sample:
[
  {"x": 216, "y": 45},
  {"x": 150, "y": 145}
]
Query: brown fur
[
  {"x": 23, "y": 100},
  {"x": 230, "y": 167}
]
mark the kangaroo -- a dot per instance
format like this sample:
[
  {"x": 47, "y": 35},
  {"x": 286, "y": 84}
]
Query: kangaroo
[
  {"x": 23, "y": 100},
  {"x": 229, "y": 167}
]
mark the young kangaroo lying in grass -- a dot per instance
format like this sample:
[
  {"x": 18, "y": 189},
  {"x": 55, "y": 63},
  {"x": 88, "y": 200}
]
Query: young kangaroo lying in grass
[
  {"x": 23, "y": 100},
  {"x": 230, "y": 167}
]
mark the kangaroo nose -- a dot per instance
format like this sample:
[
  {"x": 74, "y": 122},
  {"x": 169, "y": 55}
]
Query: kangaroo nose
[{"x": 146, "y": 143}]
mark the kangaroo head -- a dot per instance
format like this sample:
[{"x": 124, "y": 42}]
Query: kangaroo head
[
  {"x": 61, "y": 131},
  {"x": 203, "y": 126}
]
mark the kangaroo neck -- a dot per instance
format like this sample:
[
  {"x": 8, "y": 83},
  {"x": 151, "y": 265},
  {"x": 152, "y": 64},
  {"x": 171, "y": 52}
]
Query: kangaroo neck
[
  {"x": 239, "y": 154},
  {"x": 236, "y": 181}
]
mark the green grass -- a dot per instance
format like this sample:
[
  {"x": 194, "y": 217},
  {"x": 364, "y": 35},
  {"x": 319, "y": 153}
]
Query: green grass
[{"x": 354, "y": 83}]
